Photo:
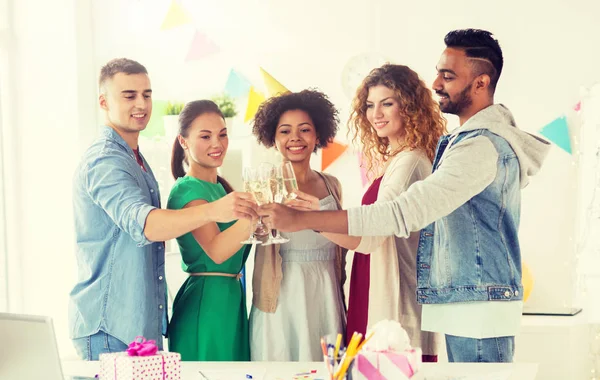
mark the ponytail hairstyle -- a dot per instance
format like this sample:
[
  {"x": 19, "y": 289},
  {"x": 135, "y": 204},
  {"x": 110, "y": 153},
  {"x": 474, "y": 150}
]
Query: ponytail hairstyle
[{"x": 187, "y": 116}]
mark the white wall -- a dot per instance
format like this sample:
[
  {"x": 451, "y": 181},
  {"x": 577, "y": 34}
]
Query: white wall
[
  {"x": 547, "y": 60},
  {"x": 550, "y": 50},
  {"x": 43, "y": 136}
]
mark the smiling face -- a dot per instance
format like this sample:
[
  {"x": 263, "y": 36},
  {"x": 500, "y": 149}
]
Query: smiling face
[
  {"x": 206, "y": 142},
  {"x": 454, "y": 82},
  {"x": 296, "y": 136},
  {"x": 127, "y": 102},
  {"x": 383, "y": 112}
]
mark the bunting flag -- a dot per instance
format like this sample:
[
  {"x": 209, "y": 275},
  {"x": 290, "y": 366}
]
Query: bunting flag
[
  {"x": 363, "y": 169},
  {"x": 156, "y": 126},
  {"x": 577, "y": 107},
  {"x": 273, "y": 86},
  {"x": 557, "y": 131},
  {"x": 331, "y": 153},
  {"x": 236, "y": 86},
  {"x": 255, "y": 99},
  {"x": 176, "y": 16},
  {"x": 201, "y": 47}
]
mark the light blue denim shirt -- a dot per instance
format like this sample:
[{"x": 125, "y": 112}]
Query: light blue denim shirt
[{"x": 121, "y": 287}]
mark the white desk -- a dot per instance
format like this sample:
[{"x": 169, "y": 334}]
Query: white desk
[
  {"x": 561, "y": 346},
  {"x": 286, "y": 371}
]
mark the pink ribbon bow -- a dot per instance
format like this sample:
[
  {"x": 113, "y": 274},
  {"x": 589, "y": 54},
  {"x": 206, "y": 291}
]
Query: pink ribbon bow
[{"x": 142, "y": 347}]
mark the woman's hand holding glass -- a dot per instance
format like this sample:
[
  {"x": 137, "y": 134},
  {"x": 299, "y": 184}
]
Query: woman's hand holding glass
[{"x": 304, "y": 202}]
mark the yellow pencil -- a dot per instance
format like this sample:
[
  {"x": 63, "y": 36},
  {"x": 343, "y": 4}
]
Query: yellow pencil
[
  {"x": 348, "y": 356},
  {"x": 337, "y": 347},
  {"x": 365, "y": 341}
]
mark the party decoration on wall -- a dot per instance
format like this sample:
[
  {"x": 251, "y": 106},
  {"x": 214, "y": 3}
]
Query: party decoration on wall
[
  {"x": 363, "y": 169},
  {"x": 201, "y": 47},
  {"x": 176, "y": 16},
  {"x": 255, "y": 98},
  {"x": 331, "y": 153},
  {"x": 237, "y": 85},
  {"x": 557, "y": 131},
  {"x": 577, "y": 107},
  {"x": 273, "y": 86},
  {"x": 527, "y": 278},
  {"x": 156, "y": 126},
  {"x": 357, "y": 68}
]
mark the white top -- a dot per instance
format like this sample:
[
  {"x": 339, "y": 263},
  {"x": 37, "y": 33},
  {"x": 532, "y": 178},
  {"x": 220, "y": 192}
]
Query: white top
[{"x": 477, "y": 320}]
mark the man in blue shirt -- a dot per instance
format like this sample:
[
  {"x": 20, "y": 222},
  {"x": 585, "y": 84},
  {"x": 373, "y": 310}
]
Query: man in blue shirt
[{"x": 119, "y": 227}]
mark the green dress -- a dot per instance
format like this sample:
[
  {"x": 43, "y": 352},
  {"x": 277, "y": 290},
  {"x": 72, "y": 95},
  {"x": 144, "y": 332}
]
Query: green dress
[{"x": 209, "y": 321}]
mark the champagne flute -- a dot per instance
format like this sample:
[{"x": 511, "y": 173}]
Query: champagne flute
[
  {"x": 279, "y": 196},
  {"x": 248, "y": 176},
  {"x": 289, "y": 180},
  {"x": 262, "y": 191}
]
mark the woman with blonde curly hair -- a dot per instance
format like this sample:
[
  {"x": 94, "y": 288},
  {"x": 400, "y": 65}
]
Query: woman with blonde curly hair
[{"x": 398, "y": 124}]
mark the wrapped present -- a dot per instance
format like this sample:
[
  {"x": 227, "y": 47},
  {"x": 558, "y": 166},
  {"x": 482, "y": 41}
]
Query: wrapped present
[
  {"x": 387, "y": 365},
  {"x": 142, "y": 360},
  {"x": 387, "y": 355}
]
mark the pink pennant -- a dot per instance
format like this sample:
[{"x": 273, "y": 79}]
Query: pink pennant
[
  {"x": 577, "y": 107},
  {"x": 201, "y": 47}
]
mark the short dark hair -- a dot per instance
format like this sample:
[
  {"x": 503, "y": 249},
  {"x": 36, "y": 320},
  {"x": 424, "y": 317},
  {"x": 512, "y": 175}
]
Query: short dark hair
[
  {"x": 120, "y": 65},
  {"x": 315, "y": 103},
  {"x": 481, "y": 44}
]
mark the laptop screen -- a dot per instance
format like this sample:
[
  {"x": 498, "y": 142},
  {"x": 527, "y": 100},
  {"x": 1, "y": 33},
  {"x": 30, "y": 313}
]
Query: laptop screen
[{"x": 28, "y": 348}]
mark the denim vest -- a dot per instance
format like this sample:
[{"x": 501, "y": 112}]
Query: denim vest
[{"x": 473, "y": 253}]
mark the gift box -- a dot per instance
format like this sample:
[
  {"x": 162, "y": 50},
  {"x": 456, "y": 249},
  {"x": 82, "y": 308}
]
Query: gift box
[
  {"x": 387, "y": 365},
  {"x": 141, "y": 361}
]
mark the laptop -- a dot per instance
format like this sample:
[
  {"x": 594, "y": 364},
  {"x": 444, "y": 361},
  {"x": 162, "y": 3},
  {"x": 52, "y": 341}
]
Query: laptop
[
  {"x": 28, "y": 348},
  {"x": 557, "y": 311}
]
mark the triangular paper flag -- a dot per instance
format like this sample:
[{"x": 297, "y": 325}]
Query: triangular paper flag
[
  {"x": 156, "y": 125},
  {"x": 176, "y": 16},
  {"x": 273, "y": 86},
  {"x": 201, "y": 47},
  {"x": 363, "y": 169},
  {"x": 255, "y": 98},
  {"x": 236, "y": 86},
  {"x": 557, "y": 131},
  {"x": 331, "y": 153}
]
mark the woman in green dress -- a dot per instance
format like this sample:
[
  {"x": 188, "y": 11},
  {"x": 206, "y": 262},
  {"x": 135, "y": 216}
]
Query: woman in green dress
[{"x": 209, "y": 321}]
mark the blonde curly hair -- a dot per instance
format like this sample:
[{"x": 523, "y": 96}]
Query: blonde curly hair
[{"x": 421, "y": 118}]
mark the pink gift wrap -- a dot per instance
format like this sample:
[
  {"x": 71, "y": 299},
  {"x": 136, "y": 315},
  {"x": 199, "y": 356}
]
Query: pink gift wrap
[
  {"x": 387, "y": 365},
  {"x": 121, "y": 366}
]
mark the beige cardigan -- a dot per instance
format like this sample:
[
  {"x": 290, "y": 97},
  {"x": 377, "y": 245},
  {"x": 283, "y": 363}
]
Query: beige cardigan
[
  {"x": 266, "y": 279},
  {"x": 392, "y": 289}
]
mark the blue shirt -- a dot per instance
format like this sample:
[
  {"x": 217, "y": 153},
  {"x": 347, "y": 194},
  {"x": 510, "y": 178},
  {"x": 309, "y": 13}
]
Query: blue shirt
[{"x": 120, "y": 287}]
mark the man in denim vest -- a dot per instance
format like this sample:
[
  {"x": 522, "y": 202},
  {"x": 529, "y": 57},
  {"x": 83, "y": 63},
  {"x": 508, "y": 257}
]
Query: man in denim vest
[
  {"x": 468, "y": 210},
  {"x": 120, "y": 228}
]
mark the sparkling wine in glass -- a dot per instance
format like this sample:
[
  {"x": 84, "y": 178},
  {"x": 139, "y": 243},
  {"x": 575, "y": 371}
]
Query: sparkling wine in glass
[
  {"x": 263, "y": 191},
  {"x": 248, "y": 176},
  {"x": 289, "y": 180},
  {"x": 279, "y": 196}
]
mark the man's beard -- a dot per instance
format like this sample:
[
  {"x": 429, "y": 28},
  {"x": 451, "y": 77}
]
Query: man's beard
[{"x": 463, "y": 100}]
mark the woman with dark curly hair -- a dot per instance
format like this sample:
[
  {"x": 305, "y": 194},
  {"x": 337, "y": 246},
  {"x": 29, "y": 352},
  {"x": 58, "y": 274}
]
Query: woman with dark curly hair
[
  {"x": 297, "y": 286},
  {"x": 398, "y": 124}
]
